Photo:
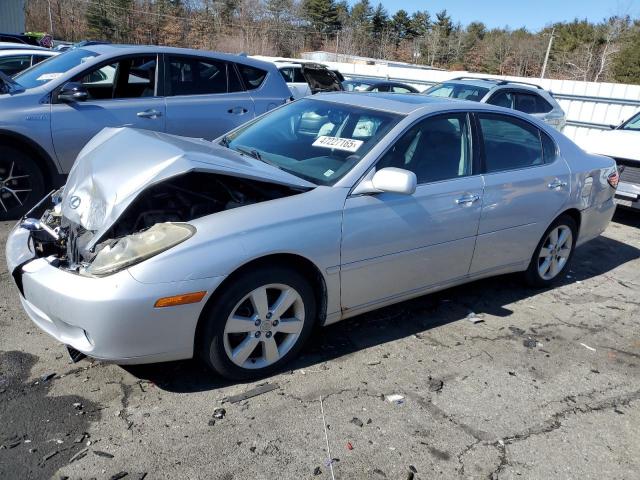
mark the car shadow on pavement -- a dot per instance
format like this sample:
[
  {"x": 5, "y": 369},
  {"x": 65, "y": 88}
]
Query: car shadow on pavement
[
  {"x": 627, "y": 216},
  {"x": 414, "y": 317}
]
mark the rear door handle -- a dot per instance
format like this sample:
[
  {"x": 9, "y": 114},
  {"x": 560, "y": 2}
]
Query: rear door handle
[
  {"x": 237, "y": 110},
  {"x": 151, "y": 113},
  {"x": 556, "y": 184},
  {"x": 467, "y": 199}
]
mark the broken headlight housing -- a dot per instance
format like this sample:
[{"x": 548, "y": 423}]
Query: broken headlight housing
[{"x": 135, "y": 248}]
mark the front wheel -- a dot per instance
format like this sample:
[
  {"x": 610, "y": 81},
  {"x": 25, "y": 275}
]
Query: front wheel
[
  {"x": 258, "y": 323},
  {"x": 21, "y": 183},
  {"x": 552, "y": 257}
]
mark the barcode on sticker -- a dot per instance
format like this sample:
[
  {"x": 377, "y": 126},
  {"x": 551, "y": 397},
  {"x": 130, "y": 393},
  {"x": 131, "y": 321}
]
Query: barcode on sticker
[{"x": 346, "y": 144}]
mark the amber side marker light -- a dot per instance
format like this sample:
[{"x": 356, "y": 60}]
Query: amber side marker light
[{"x": 182, "y": 299}]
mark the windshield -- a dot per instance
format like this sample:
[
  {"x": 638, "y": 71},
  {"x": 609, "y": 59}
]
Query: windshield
[
  {"x": 632, "y": 124},
  {"x": 457, "y": 90},
  {"x": 314, "y": 140},
  {"x": 53, "y": 67}
]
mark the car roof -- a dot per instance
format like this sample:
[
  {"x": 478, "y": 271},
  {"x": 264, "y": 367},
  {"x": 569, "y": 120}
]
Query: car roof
[
  {"x": 26, "y": 51},
  {"x": 404, "y": 103},
  {"x": 117, "y": 49},
  {"x": 491, "y": 83},
  {"x": 22, "y": 46}
]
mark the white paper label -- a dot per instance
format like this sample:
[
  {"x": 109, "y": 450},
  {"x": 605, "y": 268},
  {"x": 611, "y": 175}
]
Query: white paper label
[
  {"x": 48, "y": 76},
  {"x": 346, "y": 144}
]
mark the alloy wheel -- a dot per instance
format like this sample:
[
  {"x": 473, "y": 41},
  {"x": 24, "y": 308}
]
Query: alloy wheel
[
  {"x": 15, "y": 186},
  {"x": 264, "y": 326},
  {"x": 555, "y": 252}
]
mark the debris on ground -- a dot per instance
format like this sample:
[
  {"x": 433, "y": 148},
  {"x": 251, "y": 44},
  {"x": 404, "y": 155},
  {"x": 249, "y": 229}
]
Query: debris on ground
[
  {"x": 513, "y": 374},
  {"x": 394, "y": 398},
  {"x": 475, "y": 317},
  {"x": 357, "y": 421},
  {"x": 349, "y": 446},
  {"x": 118, "y": 475},
  {"x": 530, "y": 343},
  {"x": 212, "y": 422},
  {"x": 77, "y": 406},
  {"x": 380, "y": 473},
  {"x": 102, "y": 454},
  {"x": 517, "y": 331},
  {"x": 435, "y": 385},
  {"x": 588, "y": 347},
  {"x": 81, "y": 454},
  {"x": 219, "y": 413},
  {"x": 317, "y": 471},
  {"x": 47, "y": 377},
  {"x": 254, "y": 392},
  {"x": 49, "y": 456}
]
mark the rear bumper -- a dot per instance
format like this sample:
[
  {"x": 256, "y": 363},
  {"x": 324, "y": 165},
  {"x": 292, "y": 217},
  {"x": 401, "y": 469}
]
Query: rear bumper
[
  {"x": 628, "y": 195},
  {"x": 111, "y": 318}
]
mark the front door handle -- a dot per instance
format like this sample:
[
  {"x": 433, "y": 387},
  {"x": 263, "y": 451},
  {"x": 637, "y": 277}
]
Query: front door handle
[
  {"x": 557, "y": 184},
  {"x": 467, "y": 199},
  {"x": 151, "y": 113},
  {"x": 237, "y": 110}
]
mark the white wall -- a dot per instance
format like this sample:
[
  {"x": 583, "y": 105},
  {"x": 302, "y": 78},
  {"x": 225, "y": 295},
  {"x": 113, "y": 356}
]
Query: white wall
[{"x": 602, "y": 111}]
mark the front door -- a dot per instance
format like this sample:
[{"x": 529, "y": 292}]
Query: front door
[
  {"x": 393, "y": 244},
  {"x": 122, "y": 93},
  {"x": 205, "y": 97}
]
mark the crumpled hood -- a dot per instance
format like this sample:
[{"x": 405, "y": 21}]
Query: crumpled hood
[
  {"x": 614, "y": 143},
  {"x": 119, "y": 163}
]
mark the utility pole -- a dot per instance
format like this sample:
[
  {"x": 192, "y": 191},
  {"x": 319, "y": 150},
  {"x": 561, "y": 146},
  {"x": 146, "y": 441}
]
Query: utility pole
[
  {"x": 546, "y": 57},
  {"x": 50, "y": 19}
]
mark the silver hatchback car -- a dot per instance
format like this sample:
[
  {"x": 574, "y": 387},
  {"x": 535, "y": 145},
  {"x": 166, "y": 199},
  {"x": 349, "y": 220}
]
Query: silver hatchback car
[
  {"x": 323, "y": 209},
  {"x": 50, "y": 111}
]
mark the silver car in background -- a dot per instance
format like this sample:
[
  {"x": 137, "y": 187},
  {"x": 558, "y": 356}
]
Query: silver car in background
[
  {"x": 524, "y": 97},
  {"x": 161, "y": 247},
  {"x": 50, "y": 111}
]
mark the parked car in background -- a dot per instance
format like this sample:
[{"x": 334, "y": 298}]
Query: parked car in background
[
  {"x": 353, "y": 85},
  {"x": 14, "y": 45},
  {"x": 524, "y": 97},
  {"x": 325, "y": 208},
  {"x": 13, "y": 61},
  {"x": 622, "y": 143},
  {"x": 50, "y": 111},
  {"x": 309, "y": 78}
]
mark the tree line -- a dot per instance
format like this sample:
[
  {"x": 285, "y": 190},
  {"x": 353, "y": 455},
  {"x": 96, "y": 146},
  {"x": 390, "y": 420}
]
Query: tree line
[{"x": 608, "y": 50}]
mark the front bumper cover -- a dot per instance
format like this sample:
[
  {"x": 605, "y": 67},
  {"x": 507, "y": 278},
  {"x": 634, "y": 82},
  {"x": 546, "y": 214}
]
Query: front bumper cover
[{"x": 110, "y": 318}]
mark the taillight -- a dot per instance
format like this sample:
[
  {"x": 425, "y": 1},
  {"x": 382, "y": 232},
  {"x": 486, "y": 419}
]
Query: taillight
[{"x": 614, "y": 178}]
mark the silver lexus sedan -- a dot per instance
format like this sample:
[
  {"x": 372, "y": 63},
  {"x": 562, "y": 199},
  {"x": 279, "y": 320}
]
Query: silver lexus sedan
[{"x": 161, "y": 247}]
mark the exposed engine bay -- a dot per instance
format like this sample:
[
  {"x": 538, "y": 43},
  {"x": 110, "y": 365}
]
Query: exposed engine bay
[{"x": 178, "y": 199}]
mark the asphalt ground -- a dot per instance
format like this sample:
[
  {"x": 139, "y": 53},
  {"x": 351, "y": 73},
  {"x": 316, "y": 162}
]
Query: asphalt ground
[{"x": 545, "y": 386}]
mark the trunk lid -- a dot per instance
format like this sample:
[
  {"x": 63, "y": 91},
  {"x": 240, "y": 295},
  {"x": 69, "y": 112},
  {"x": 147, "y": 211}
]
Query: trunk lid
[{"x": 320, "y": 78}]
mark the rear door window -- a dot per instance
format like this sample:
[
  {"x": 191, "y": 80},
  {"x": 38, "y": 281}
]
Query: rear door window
[
  {"x": 14, "y": 64},
  {"x": 502, "y": 99},
  {"x": 531, "y": 103},
  {"x": 196, "y": 76},
  {"x": 509, "y": 143},
  {"x": 252, "y": 76}
]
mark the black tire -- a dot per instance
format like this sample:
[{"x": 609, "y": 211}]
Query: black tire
[
  {"x": 12, "y": 208},
  {"x": 210, "y": 345},
  {"x": 532, "y": 275}
]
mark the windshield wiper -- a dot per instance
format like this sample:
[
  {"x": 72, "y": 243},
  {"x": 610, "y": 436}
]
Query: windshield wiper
[
  {"x": 252, "y": 152},
  {"x": 225, "y": 141}
]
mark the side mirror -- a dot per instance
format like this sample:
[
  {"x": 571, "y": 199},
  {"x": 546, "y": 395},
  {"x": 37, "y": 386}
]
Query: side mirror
[
  {"x": 391, "y": 180},
  {"x": 73, "y": 92}
]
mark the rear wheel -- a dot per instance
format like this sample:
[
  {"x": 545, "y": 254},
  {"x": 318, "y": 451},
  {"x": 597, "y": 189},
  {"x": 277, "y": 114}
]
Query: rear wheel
[
  {"x": 551, "y": 259},
  {"x": 258, "y": 323},
  {"x": 21, "y": 183}
]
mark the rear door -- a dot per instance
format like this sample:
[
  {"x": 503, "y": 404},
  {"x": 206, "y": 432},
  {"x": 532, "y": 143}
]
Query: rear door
[
  {"x": 526, "y": 185},
  {"x": 204, "y": 96},
  {"x": 122, "y": 93}
]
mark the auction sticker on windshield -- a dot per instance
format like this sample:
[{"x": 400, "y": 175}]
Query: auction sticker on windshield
[{"x": 346, "y": 144}]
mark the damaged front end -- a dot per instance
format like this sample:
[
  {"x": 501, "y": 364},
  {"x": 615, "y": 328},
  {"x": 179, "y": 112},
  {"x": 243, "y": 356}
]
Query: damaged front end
[{"x": 111, "y": 214}]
